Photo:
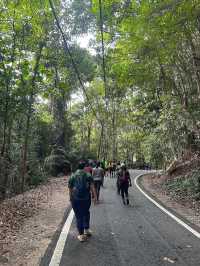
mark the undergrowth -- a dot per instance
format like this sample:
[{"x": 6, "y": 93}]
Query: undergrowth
[{"x": 185, "y": 186}]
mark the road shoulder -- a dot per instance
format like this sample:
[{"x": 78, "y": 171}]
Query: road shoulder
[
  {"x": 37, "y": 234},
  {"x": 182, "y": 211}
]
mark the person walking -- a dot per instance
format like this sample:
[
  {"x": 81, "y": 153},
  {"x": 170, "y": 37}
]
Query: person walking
[
  {"x": 98, "y": 176},
  {"x": 118, "y": 168},
  {"x": 80, "y": 186},
  {"x": 110, "y": 169},
  {"x": 114, "y": 166},
  {"x": 88, "y": 168},
  {"x": 124, "y": 181}
]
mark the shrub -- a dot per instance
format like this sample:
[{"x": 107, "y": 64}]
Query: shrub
[{"x": 185, "y": 185}]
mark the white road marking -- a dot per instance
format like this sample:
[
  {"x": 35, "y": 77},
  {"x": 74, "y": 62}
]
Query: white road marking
[
  {"x": 189, "y": 228},
  {"x": 57, "y": 255}
]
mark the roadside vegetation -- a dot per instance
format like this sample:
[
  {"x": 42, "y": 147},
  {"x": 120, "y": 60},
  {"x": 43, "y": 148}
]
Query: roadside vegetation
[
  {"x": 180, "y": 183},
  {"x": 188, "y": 185},
  {"x": 184, "y": 185},
  {"x": 140, "y": 104}
]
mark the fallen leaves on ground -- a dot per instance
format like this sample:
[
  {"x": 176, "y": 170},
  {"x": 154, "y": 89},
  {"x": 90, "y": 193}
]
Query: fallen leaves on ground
[{"x": 14, "y": 211}]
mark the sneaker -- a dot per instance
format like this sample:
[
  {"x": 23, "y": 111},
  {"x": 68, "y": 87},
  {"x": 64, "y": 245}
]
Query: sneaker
[
  {"x": 81, "y": 238},
  {"x": 88, "y": 233},
  {"x": 124, "y": 202},
  {"x": 127, "y": 201}
]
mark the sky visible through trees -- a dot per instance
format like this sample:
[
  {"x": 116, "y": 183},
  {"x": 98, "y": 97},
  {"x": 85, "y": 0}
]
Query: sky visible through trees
[{"x": 141, "y": 105}]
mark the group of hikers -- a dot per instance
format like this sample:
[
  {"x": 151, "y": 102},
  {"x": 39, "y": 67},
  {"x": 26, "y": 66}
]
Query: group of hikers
[{"x": 85, "y": 184}]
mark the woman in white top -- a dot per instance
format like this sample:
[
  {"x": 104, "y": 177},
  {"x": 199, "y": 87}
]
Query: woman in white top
[{"x": 98, "y": 175}]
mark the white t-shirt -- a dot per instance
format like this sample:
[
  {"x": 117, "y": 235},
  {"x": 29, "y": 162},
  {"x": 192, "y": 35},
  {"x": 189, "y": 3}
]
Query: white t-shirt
[{"x": 98, "y": 174}]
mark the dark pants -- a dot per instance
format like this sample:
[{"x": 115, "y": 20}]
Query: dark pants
[
  {"x": 124, "y": 190},
  {"x": 97, "y": 185},
  {"x": 110, "y": 171},
  {"x": 118, "y": 187},
  {"x": 82, "y": 212}
]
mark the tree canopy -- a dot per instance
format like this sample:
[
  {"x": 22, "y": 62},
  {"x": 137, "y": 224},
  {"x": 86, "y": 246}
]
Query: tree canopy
[{"x": 140, "y": 99}]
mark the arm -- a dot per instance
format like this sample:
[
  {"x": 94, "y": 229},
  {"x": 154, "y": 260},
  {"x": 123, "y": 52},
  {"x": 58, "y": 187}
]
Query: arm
[
  {"x": 92, "y": 188},
  {"x": 70, "y": 193},
  {"x": 70, "y": 187},
  {"x": 102, "y": 173},
  {"x": 129, "y": 179}
]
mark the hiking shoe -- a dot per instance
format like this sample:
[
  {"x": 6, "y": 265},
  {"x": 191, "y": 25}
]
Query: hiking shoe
[
  {"x": 81, "y": 238},
  {"x": 88, "y": 233}
]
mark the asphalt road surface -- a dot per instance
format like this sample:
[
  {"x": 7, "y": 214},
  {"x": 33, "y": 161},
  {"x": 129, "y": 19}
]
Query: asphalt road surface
[{"x": 136, "y": 235}]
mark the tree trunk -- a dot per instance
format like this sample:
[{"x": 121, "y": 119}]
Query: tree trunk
[
  {"x": 29, "y": 115},
  {"x": 7, "y": 96},
  {"x": 99, "y": 154},
  {"x": 89, "y": 128}
]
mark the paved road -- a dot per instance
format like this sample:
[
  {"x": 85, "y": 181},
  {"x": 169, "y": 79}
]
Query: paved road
[{"x": 135, "y": 235}]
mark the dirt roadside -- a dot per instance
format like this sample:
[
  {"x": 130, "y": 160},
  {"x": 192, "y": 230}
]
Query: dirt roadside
[
  {"x": 190, "y": 210},
  {"x": 27, "y": 230}
]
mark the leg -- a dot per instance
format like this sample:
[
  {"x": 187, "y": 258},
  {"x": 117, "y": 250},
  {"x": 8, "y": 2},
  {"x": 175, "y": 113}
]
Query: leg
[
  {"x": 126, "y": 193},
  {"x": 106, "y": 172},
  {"x": 102, "y": 182},
  {"x": 87, "y": 205},
  {"x": 118, "y": 189},
  {"x": 112, "y": 173},
  {"x": 98, "y": 189},
  {"x": 76, "y": 205},
  {"x": 122, "y": 193},
  {"x": 97, "y": 185}
]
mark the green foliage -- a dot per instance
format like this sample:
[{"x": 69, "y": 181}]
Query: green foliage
[
  {"x": 37, "y": 175},
  {"x": 56, "y": 161},
  {"x": 36, "y": 83},
  {"x": 79, "y": 14},
  {"x": 146, "y": 111},
  {"x": 154, "y": 51},
  {"x": 188, "y": 185}
]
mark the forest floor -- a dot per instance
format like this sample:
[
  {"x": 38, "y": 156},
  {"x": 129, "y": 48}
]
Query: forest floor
[
  {"x": 29, "y": 221},
  {"x": 174, "y": 198}
]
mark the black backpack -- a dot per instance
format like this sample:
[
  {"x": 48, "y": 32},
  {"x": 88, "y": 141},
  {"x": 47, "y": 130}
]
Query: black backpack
[{"x": 81, "y": 186}]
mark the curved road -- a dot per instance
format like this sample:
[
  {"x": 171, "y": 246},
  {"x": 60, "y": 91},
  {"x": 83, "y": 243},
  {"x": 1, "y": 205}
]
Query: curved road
[{"x": 135, "y": 235}]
